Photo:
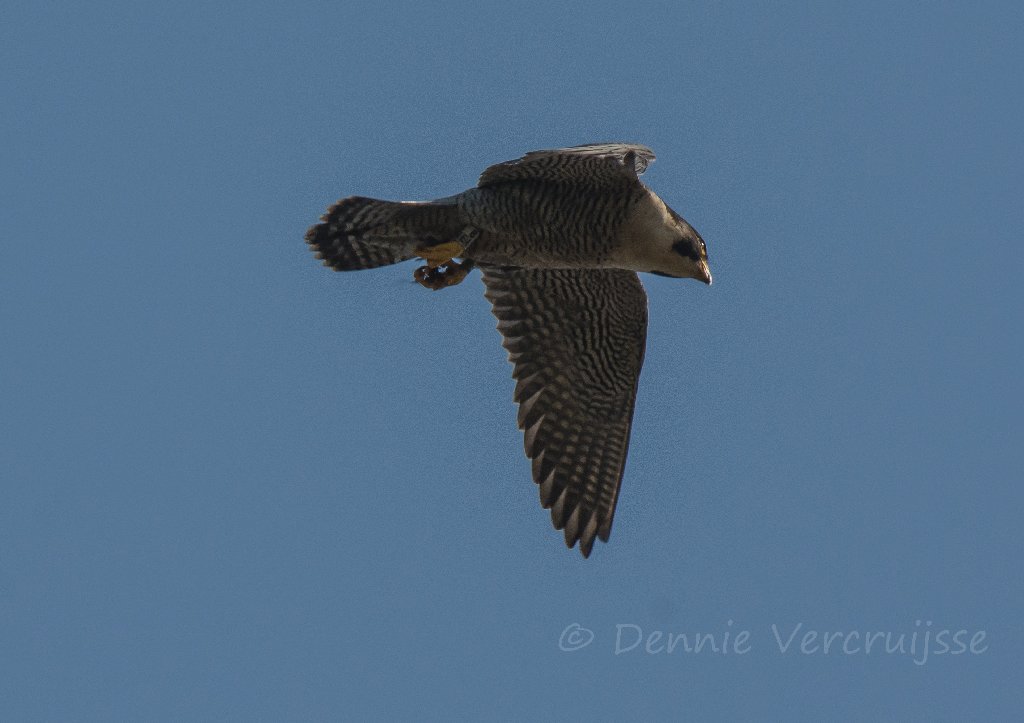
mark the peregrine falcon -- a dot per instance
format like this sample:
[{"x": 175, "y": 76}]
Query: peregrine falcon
[{"x": 559, "y": 236}]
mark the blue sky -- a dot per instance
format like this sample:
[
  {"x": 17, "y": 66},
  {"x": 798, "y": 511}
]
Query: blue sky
[{"x": 239, "y": 486}]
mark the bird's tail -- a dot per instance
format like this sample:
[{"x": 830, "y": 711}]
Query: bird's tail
[{"x": 364, "y": 233}]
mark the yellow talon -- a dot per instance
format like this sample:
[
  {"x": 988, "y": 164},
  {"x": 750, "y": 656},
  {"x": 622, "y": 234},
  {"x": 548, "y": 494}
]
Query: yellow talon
[{"x": 440, "y": 254}]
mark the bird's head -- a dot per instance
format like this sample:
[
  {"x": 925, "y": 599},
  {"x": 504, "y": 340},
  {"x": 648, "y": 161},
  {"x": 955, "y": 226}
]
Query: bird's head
[{"x": 673, "y": 247}]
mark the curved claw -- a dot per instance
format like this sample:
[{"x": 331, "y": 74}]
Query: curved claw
[{"x": 442, "y": 276}]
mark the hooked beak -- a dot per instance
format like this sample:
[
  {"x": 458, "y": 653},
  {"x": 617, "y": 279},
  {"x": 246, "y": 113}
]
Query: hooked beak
[{"x": 705, "y": 272}]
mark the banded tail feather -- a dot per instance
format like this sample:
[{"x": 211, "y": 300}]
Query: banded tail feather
[{"x": 365, "y": 233}]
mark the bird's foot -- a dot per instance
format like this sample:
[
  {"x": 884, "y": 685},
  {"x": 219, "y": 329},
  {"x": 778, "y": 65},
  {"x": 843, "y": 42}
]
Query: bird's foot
[
  {"x": 439, "y": 254},
  {"x": 442, "y": 270},
  {"x": 442, "y": 276}
]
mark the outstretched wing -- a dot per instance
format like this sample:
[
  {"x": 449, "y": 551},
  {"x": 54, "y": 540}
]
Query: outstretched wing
[
  {"x": 576, "y": 338},
  {"x": 599, "y": 164}
]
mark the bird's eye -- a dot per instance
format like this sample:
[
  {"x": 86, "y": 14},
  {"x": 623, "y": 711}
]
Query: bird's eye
[{"x": 686, "y": 247}]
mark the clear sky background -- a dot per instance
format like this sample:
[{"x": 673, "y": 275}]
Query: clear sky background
[{"x": 239, "y": 486}]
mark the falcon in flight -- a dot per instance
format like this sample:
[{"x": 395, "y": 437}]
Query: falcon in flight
[{"x": 559, "y": 236}]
